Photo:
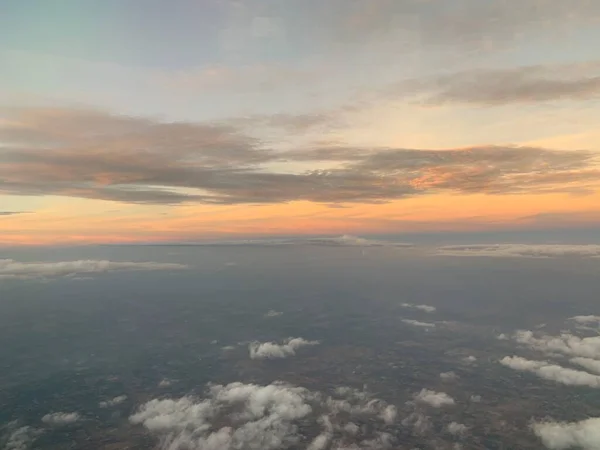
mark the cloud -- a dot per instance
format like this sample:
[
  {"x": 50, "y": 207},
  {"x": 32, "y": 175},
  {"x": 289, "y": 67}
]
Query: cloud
[
  {"x": 339, "y": 241},
  {"x": 529, "y": 84},
  {"x": 456, "y": 428},
  {"x": 552, "y": 372},
  {"x": 273, "y": 313},
  {"x": 470, "y": 359},
  {"x": 435, "y": 399},
  {"x": 449, "y": 376},
  {"x": 418, "y": 422},
  {"x": 416, "y": 323},
  {"x": 61, "y": 418},
  {"x": 19, "y": 438},
  {"x": 11, "y": 269},
  {"x": 586, "y": 320},
  {"x": 475, "y": 398},
  {"x": 113, "y": 401},
  {"x": 466, "y": 26},
  {"x": 93, "y": 154},
  {"x": 521, "y": 250},
  {"x": 565, "y": 343},
  {"x": 564, "y": 435},
  {"x": 272, "y": 350},
  {"x": 593, "y": 365},
  {"x": 426, "y": 308},
  {"x": 11, "y": 213},
  {"x": 270, "y": 417}
]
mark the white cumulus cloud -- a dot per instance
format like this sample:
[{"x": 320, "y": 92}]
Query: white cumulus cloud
[
  {"x": 448, "y": 376},
  {"x": 433, "y": 398},
  {"x": 113, "y": 401},
  {"x": 61, "y": 418},
  {"x": 565, "y": 435},
  {"x": 11, "y": 269},
  {"x": 552, "y": 372},
  {"x": 565, "y": 343},
  {"x": 272, "y": 350},
  {"x": 272, "y": 417},
  {"x": 521, "y": 250}
]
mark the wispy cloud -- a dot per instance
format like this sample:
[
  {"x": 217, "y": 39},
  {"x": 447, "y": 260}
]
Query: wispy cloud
[
  {"x": 495, "y": 87},
  {"x": 91, "y": 154},
  {"x": 11, "y": 269},
  {"x": 426, "y": 308},
  {"x": 521, "y": 250},
  {"x": 416, "y": 323}
]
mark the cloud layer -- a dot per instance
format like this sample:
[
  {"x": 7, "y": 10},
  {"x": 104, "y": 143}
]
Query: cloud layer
[
  {"x": 272, "y": 350},
  {"x": 521, "y": 250},
  {"x": 10, "y": 269},
  {"x": 92, "y": 154},
  {"x": 272, "y": 417}
]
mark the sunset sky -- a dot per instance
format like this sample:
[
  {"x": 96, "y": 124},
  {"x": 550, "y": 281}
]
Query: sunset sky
[{"x": 147, "y": 120}]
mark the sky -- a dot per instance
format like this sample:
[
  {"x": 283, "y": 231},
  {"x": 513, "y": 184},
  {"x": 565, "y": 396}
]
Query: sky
[{"x": 159, "y": 121}]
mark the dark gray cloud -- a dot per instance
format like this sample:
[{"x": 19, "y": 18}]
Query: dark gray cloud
[
  {"x": 91, "y": 154},
  {"x": 10, "y": 213}
]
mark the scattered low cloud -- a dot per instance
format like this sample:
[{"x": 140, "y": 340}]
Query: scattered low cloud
[
  {"x": 59, "y": 419},
  {"x": 426, "y": 308},
  {"x": 11, "y": 269},
  {"x": 269, "y": 417},
  {"x": 416, "y": 323},
  {"x": 164, "y": 383},
  {"x": 273, "y": 313},
  {"x": 586, "y": 320},
  {"x": 449, "y": 376},
  {"x": 470, "y": 359},
  {"x": 456, "y": 428},
  {"x": 419, "y": 423},
  {"x": 272, "y": 350},
  {"x": 475, "y": 398},
  {"x": 521, "y": 250},
  {"x": 93, "y": 154},
  {"x": 565, "y": 343},
  {"x": 565, "y": 435},
  {"x": 19, "y": 438},
  {"x": 552, "y": 372},
  {"x": 435, "y": 399},
  {"x": 113, "y": 401}
]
